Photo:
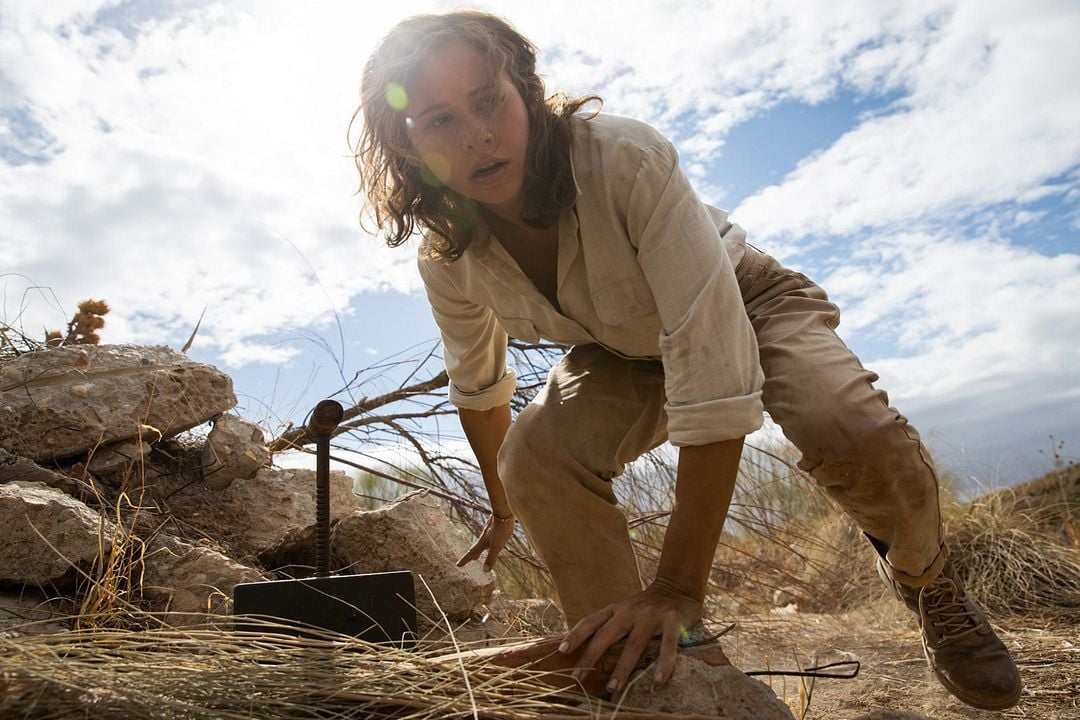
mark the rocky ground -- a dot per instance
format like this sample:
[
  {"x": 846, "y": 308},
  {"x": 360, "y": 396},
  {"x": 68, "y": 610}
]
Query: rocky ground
[{"x": 893, "y": 677}]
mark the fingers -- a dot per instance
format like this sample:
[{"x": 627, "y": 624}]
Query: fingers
[
  {"x": 669, "y": 648},
  {"x": 631, "y": 653},
  {"x": 500, "y": 535},
  {"x": 584, "y": 629},
  {"x": 474, "y": 552},
  {"x": 491, "y": 557},
  {"x": 609, "y": 633}
]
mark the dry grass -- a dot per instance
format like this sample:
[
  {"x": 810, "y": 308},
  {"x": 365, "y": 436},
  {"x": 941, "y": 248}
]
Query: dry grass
[
  {"x": 217, "y": 673},
  {"x": 122, "y": 662},
  {"x": 1011, "y": 558}
]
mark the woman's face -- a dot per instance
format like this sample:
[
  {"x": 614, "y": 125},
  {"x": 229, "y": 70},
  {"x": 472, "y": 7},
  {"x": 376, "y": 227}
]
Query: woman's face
[{"x": 469, "y": 139}]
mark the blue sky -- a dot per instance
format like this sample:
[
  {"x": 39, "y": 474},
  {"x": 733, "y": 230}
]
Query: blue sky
[{"x": 919, "y": 159}]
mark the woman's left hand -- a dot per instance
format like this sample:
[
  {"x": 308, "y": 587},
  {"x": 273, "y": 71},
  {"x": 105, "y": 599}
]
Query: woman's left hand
[{"x": 660, "y": 609}]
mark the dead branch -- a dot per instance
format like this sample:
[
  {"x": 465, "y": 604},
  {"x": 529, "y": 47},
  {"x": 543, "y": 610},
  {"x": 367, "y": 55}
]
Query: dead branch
[{"x": 298, "y": 437}]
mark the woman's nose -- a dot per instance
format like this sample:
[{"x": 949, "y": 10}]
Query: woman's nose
[{"x": 479, "y": 137}]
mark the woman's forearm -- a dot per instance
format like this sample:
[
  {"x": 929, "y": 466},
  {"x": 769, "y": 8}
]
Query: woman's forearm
[
  {"x": 703, "y": 493},
  {"x": 485, "y": 430}
]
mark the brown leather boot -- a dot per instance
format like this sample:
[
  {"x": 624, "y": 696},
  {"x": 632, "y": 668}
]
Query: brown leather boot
[{"x": 961, "y": 647}]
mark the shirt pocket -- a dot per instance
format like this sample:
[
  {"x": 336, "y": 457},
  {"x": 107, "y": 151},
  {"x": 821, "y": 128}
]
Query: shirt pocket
[
  {"x": 520, "y": 328},
  {"x": 621, "y": 301}
]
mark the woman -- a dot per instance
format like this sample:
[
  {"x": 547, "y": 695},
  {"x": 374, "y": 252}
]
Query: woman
[{"x": 541, "y": 222}]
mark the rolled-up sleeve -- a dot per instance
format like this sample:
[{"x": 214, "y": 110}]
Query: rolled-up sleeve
[
  {"x": 474, "y": 344},
  {"x": 713, "y": 377}
]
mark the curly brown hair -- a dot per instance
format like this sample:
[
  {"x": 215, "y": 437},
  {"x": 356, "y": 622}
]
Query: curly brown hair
[{"x": 399, "y": 188}]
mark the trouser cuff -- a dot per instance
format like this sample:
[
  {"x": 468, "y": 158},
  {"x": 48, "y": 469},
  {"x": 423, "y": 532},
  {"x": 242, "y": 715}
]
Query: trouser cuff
[{"x": 922, "y": 579}]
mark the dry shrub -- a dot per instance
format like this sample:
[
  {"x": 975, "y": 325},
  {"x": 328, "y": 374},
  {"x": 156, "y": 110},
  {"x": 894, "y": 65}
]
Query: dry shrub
[
  {"x": 1010, "y": 554},
  {"x": 112, "y": 592},
  {"x": 1018, "y": 550},
  {"x": 784, "y": 540},
  {"x": 81, "y": 330},
  {"x": 13, "y": 343},
  {"x": 787, "y": 542}
]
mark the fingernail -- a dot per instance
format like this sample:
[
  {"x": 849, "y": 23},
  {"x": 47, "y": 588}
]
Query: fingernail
[
  {"x": 613, "y": 684},
  {"x": 658, "y": 677},
  {"x": 565, "y": 646},
  {"x": 576, "y": 675}
]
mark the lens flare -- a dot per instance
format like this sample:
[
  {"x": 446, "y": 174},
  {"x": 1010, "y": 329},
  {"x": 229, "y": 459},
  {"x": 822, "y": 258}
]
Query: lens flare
[
  {"x": 435, "y": 170},
  {"x": 396, "y": 97}
]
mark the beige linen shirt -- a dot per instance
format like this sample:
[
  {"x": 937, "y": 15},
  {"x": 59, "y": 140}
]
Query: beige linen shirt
[{"x": 644, "y": 269}]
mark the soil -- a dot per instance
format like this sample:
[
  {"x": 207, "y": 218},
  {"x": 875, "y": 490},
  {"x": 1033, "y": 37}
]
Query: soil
[{"x": 894, "y": 680}]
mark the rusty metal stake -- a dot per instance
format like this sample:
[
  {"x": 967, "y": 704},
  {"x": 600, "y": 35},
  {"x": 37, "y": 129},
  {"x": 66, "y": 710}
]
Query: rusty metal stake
[{"x": 324, "y": 421}]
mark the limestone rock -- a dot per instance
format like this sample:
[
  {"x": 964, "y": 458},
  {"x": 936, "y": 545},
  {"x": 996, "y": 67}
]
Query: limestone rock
[
  {"x": 268, "y": 515},
  {"x": 28, "y": 611},
  {"x": 696, "y": 688},
  {"x": 414, "y": 533},
  {"x": 14, "y": 467},
  {"x": 61, "y": 402},
  {"x": 116, "y": 458},
  {"x": 191, "y": 582},
  {"x": 234, "y": 449},
  {"x": 34, "y": 517}
]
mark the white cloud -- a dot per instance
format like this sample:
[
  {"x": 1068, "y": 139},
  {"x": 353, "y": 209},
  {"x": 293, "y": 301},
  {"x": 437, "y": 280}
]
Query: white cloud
[
  {"x": 991, "y": 117},
  {"x": 1024, "y": 217},
  {"x": 699, "y": 69},
  {"x": 963, "y": 313},
  {"x": 978, "y": 341},
  {"x": 196, "y": 144},
  {"x": 242, "y": 353},
  {"x": 174, "y": 156},
  {"x": 203, "y": 163}
]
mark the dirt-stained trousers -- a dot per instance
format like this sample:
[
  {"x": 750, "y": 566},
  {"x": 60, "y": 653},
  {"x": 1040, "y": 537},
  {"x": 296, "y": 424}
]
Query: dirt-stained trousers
[{"x": 599, "y": 411}]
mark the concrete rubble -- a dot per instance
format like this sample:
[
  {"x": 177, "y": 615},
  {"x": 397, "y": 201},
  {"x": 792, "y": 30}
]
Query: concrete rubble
[
  {"x": 47, "y": 536},
  {"x": 87, "y": 433},
  {"x": 234, "y": 449},
  {"x": 13, "y": 467},
  {"x": 415, "y": 533},
  {"x": 192, "y": 582},
  {"x": 63, "y": 402},
  {"x": 268, "y": 515}
]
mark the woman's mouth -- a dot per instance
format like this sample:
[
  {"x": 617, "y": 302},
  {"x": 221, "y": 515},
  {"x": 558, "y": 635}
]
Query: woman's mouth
[{"x": 488, "y": 170}]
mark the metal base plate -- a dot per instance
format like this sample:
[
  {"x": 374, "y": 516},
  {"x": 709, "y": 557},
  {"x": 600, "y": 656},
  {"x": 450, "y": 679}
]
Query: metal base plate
[{"x": 376, "y": 607}]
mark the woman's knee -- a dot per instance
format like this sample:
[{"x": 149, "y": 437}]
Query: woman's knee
[
  {"x": 542, "y": 458},
  {"x": 518, "y": 456}
]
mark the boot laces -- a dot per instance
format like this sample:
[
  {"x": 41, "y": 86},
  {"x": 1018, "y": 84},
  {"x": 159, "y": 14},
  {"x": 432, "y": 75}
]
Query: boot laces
[{"x": 948, "y": 611}]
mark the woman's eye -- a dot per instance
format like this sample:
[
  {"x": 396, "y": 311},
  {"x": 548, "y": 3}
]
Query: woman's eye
[{"x": 439, "y": 120}]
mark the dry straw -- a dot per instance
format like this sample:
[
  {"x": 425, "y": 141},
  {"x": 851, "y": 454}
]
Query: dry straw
[
  {"x": 210, "y": 672},
  {"x": 1012, "y": 557}
]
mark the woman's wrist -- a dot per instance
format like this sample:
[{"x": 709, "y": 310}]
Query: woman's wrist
[{"x": 502, "y": 518}]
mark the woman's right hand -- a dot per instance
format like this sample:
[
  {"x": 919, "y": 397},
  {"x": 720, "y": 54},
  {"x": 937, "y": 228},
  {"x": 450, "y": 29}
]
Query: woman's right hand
[{"x": 493, "y": 538}]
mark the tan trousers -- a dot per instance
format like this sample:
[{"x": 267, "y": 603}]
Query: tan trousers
[{"x": 599, "y": 412}]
